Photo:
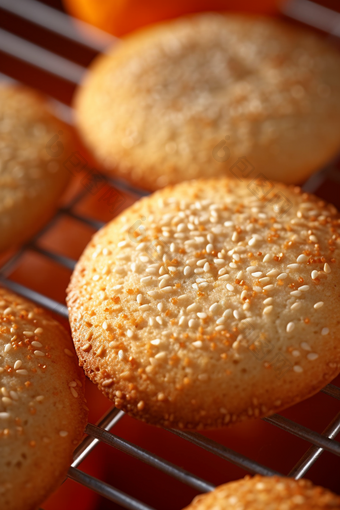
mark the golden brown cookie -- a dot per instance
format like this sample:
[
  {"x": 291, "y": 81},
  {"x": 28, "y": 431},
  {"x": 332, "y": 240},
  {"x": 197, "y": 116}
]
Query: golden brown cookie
[
  {"x": 267, "y": 493},
  {"x": 206, "y": 304},
  {"x": 33, "y": 146},
  {"x": 186, "y": 99},
  {"x": 42, "y": 403}
]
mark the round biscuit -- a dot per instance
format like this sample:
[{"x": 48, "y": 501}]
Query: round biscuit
[
  {"x": 33, "y": 146},
  {"x": 264, "y": 493},
  {"x": 42, "y": 404},
  {"x": 189, "y": 98},
  {"x": 206, "y": 304}
]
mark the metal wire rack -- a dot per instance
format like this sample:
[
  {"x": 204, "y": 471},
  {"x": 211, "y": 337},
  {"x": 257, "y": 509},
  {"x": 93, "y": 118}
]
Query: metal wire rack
[{"x": 62, "y": 25}]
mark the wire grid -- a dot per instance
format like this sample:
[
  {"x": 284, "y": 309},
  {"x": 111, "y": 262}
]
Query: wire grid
[{"x": 61, "y": 24}]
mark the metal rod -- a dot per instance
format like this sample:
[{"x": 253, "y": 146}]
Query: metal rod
[
  {"x": 109, "y": 420},
  {"x": 41, "y": 58},
  {"x": 149, "y": 458},
  {"x": 332, "y": 391},
  {"x": 304, "y": 433},
  {"x": 313, "y": 453},
  {"x": 59, "y": 23},
  {"x": 312, "y": 14},
  {"x": 225, "y": 453},
  {"x": 106, "y": 490}
]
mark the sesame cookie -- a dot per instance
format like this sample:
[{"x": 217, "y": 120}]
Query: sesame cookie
[
  {"x": 264, "y": 493},
  {"x": 42, "y": 404},
  {"x": 188, "y": 98},
  {"x": 204, "y": 304},
  {"x": 33, "y": 143}
]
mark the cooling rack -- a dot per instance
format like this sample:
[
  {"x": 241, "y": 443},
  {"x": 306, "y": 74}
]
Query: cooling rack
[{"x": 78, "y": 33}]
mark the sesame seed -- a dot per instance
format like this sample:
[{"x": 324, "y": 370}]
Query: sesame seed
[
  {"x": 74, "y": 392},
  {"x": 312, "y": 356},
  {"x": 313, "y": 238},
  {"x": 28, "y": 333},
  {"x": 6, "y": 401},
  {"x": 302, "y": 258},
  {"x": 266, "y": 258},
  {"x": 22, "y": 372},
  {"x": 230, "y": 287},
  {"x": 139, "y": 298},
  {"x": 268, "y": 301},
  {"x": 187, "y": 270},
  {"x": 8, "y": 347},
  {"x": 314, "y": 274},
  {"x": 17, "y": 364},
  {"x": 264, "y": 280},
  {"x": 203, "y": 377},
  {"x": 296, "y": 305},
  {"x": 282, "y": 276},
  {"x": 157, "y": 341},
  {"x": 268, "y": 287},
  {"x": 293, "y": 266},
  {"x": 129, "y": 333},
  {"x": 290, "y": 327},
  {"x": 214, "y": 307},
  {"x": 161, "y": 355},
  {"x": 298, "y": 369},
  {"x": 324, "y": 331},
  {"x": 7, "y": 311},
  {"x": 273, "y": 272},
  {"x": 305, "y": 346},
  {"x": 121, "y": 354},
  {"x": 86, "y": 347},
  {"x": 4, "y": 416},
  {"x": 209, "y": 248},
  {"x": 318, "y": 305},
  {"x": 202, "y": 315},
  {"x": 72, "y": 384},
  {"x": 39, "y": 354},
  {"x": 295, "y": 293},
  {"x": 36, "y": 344},
  {"x": 197, "y": 344},
  {"x": 257, "y": 274},
  {"x": 296, "y": 353},
  {"x": 268, "y": 310},
  {"x": 327, "y": 268},
  {"x": 68, "y": 352},
  {"x": 63, "y": 433}
]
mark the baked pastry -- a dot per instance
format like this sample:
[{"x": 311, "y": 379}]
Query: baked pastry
[
  {"x": 263, "y": 493},
  {"x": 211, "y": 302},
  {"x": 188, "y": 98},
  {"x": 42, "y": 404},
  {"x": 33, "y": 147}
]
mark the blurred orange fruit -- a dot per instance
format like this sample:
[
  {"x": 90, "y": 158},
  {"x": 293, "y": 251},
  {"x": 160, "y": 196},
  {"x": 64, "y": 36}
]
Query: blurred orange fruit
[{"x": 119, "y": 17}]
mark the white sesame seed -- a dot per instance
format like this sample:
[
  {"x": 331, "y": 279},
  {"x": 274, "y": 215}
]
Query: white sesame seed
[
  {"x": 74, "y": 392},
  {"x": 202, "y": 315},
  {"x": 304, "y": 288},
  {"x": 182, "y": 321},
  {"x": 273, "y": 272},
  {"x": 104, "y": 325},
  {"x": 268, "y": 287},
  {"x": 268, "y": 301},
  {"x": 282, "y": 276},
  {"x": 318, "y": 305},
  {"x": 313, "y": 238},
  {"x": 266, "y": 258},
  {"x": 155, "y": 342},
  {"x": 6, "y": 401},
  {"x": 8, "y": 347},
  {"x": 214, "y": 307},
  {"x": 305, "y": 346},
  {"x": 183, "y": 297},
  {"x": 324, "y": 331},
  {"x": 68, "y": 353},
  {"x": 139, "y": 299},
  {"x": 224, "y": 277},
  {"x": 17, "y": 364},
  {"x": 327, "y": 268},
  {"x": 209, "y": 248},
  {"x": 7, "y": 311},
  {"x": 161, "y": 355},
  {"x": 268, "y": 310},
  {"x": 39, "y": 354},
  {"x": 96, "y": 277},
  {"x": 22, "y": 372},
  {"x": 197, "y": 344},
  {"x": 314, "y": 274},
  {"x": 293, "y": 266},
  {"x": 302, "y": 258},
  {"x": 296, "y": 353},
  {"x": 192, "y": 323},
  {"x": 167, "y": 289},
  {"x": 257, "y": 274},
  {"x": 203, "y": 377},
  {"x": 129, "y": 333},
  {"x": 236, "y": 314},
  {"x": 230, "y": 287},
  {"x": 36, "y": 344},
  {"x": 295, "y": 293},
  {"x": 290, "y": 327},
  {"x": 298, "y": 369},
  {"x": 296, "y": 305},
  {"x": 38, "y": 331},
  {"x": 121, "y": 354},
  {"x": 312, "y": 356},
  {"x": 264, "y": 280},
  {"x": 187, "y": 270},
  {"x": 63, "y": 433},
  {"x": 4, "y": 416},
  {"x": 28, "y": 333}
]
